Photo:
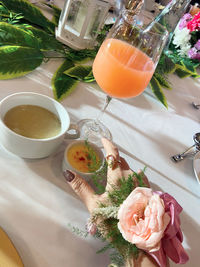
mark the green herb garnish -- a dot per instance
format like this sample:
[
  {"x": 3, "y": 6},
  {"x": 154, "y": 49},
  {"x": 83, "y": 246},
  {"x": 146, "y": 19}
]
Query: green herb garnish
[{"x": 94, "y": 163}]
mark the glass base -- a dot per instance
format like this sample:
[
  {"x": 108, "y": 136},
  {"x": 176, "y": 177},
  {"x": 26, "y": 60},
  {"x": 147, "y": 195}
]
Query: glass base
[{"x": 93, "y": 131}]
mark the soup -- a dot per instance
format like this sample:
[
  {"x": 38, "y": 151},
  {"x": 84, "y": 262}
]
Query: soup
[
  {"x": 32, "y": 121},
  {"x": 83, "y": 158}
]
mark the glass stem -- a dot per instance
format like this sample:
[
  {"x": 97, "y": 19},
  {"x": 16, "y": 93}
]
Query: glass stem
[{"x": 101, "y": 113}]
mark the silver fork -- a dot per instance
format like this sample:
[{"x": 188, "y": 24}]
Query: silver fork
[{"x": 197, "y": 106}]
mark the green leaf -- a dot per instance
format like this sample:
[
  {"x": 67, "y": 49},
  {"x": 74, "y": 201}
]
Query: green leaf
[
  {"x": 182, "y": 73},
  {"x": 62, "y": 84},
  {"x": 12, "y": 35},
  {"x": 90, "y": 78},
  {"x": 162, "y": 81},
  {"x": 165, "y": 65},
  {"x": 56, "y": 13},
  {"x": 30, "y": 12},
  {"x": 157, "y": 90},
  {"x": 16, "y": 61},
  {"x": 195, "y": 76},
  {"x": 189, "y": 64},
  {"x": 4, "y": 11},
  {"x": 45, "y": 40},
  {"x": 80, "y": 55},
  {"x": 79, "y": 72}
]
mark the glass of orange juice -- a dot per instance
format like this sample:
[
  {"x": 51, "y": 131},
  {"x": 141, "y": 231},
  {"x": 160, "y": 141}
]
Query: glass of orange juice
[{"x": 125, "y": 63}]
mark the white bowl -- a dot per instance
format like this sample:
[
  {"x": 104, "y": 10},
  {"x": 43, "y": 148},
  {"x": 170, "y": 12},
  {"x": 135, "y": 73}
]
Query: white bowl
[{"x": 29, "y": 147}]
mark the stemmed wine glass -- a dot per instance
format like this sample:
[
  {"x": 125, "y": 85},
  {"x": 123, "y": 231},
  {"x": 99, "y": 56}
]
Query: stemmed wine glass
[{"x": 125, "y": 64}]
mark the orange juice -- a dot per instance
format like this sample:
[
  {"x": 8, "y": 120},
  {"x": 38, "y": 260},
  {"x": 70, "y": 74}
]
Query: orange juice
[{"x": 122, "y": 70}]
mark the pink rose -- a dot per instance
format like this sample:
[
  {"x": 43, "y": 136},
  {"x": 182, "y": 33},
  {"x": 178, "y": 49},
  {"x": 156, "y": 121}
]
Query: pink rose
[{"x": 142, "y": 219}]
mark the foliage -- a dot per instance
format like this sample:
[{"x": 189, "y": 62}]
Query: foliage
[
  {"x": 11, "y": 65},
  {"x": 108, "y": 215},
  {"x": 63, "y": 84},
  {"x": 92, "y": 156},
  {"x": 46, "y": 42},
  {"x": 171, "y": 62},
  {"x": 98, "y": 179},
  {"x": 30, "y": 13},
  {"x": 23, "y": 27},
  {"x": 12, "y": 35},
  {"x": 56, "y": 12}
]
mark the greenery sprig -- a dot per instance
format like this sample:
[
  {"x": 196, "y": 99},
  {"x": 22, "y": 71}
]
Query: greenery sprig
[
  {"x": 107, "y": 212},
  {"x": 95, "y": 162}
]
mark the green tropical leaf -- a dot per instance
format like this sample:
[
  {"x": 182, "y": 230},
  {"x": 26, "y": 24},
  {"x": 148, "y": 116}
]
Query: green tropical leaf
[
  {"x": 195, "y": 76},
  {"x": 56, "y": 13},
  {"x": 62, "y": 84},
  {"x": 169, "y": 66},
  {"x": 157, "y": 90},
  {"x": 45, "y": 40},
  {"x": 30, "y": 12},
  {"x": 90, "y": 78},
  {"x": 16, "y": 61},
  {"x": 79, "y": 56},
  {"x": 189, "y": 64},
  {"x": 162, "y": 81},
  {"x": 182, "y": 73},
  {"x": 165, "y": 65},
  {"x": 12, "y": 35},
  {"x": 79, "y": 72},
  {"x": 4, "y": 11}
]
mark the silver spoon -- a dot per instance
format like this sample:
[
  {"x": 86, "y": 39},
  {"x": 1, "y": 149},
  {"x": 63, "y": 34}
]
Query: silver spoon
[
  {"x": 190, "y": 151},
  {"x": 197, "y": 106},
  {"x": 196, "y": 166}
]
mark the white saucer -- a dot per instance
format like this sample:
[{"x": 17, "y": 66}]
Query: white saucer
[{"x": 196, "y": 166}]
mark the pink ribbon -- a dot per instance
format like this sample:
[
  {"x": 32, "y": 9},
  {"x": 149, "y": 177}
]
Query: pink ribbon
[{"x": 171, "y": 242}]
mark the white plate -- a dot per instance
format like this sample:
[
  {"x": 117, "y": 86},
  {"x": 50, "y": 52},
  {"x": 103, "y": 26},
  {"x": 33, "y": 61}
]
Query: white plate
[{"x": 196, "y": 166}]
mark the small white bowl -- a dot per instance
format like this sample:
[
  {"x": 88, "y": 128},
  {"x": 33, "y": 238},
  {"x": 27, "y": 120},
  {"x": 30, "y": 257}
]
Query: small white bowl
[{"x": 67, "y": 165}]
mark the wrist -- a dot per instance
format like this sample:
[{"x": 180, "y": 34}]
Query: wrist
[{"x": 143, "y": 260}]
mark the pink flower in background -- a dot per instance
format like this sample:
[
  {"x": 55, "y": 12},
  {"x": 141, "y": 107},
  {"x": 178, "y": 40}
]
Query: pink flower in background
[
  {"x": 142, "y": 219},
  {"x": 194, "y": 52},
  {"x": 197, "y": 45},
  {"x": 194, "y": 24},
  {"x": 184, "y": 21}
]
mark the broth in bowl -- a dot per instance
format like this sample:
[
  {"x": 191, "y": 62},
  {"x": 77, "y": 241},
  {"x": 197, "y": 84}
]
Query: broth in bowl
[{"x": 32, "y": 121}]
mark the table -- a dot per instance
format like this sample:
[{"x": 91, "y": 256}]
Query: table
[{"x": 36, "y": 203}]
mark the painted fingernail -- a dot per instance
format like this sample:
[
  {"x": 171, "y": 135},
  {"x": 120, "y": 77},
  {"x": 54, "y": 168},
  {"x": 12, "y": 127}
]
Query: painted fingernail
[{"x": 69, "y": 176}]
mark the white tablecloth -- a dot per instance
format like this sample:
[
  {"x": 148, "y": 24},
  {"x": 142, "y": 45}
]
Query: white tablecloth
[{"x": 37, "y": 204}]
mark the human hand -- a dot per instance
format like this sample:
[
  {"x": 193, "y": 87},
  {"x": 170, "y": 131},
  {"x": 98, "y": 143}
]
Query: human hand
[{"x": 117, "y": 168}]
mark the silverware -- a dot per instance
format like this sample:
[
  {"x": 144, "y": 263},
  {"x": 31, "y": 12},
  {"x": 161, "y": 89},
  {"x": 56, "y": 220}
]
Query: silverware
[
  {"x": 196, "y": 166},
  {"x": 190, "y": 151},
  {"x": 197, "y": 106}
]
